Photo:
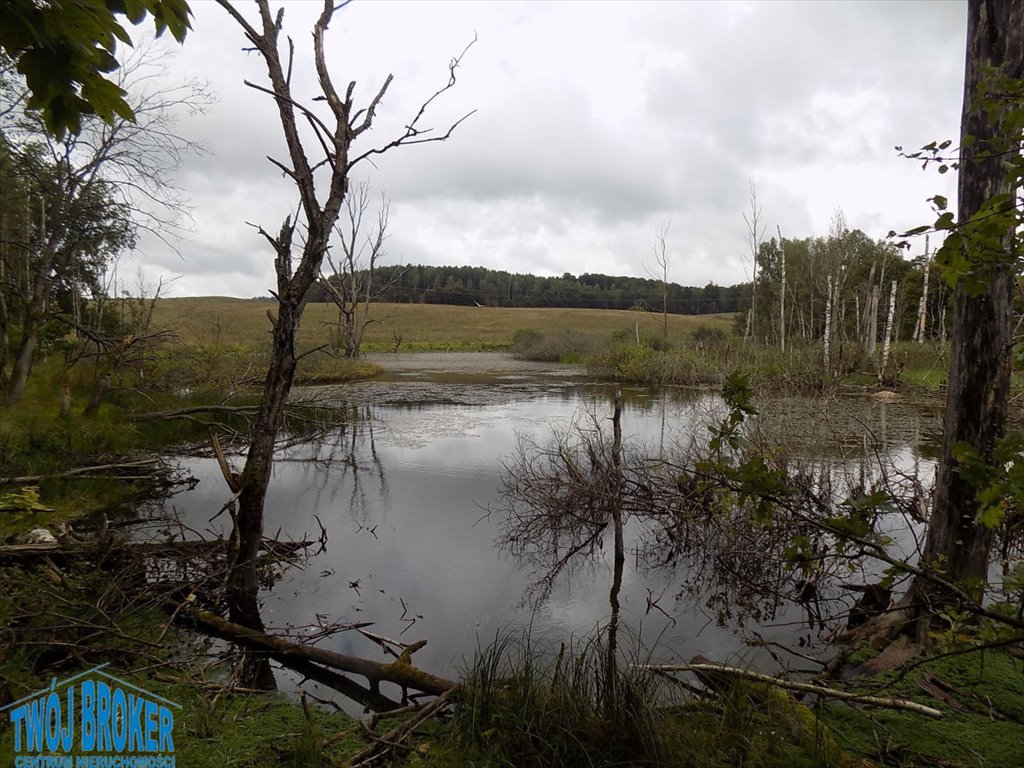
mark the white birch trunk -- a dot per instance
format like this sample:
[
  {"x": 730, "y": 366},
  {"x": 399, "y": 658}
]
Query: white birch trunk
[
  {"x": 873, "y": 322},
  {"x": 782, "y": 294},
  {"x": 922, "y": 307},
  {"x": 828, "y": 328},
  {"x": 888, "y": 331}
]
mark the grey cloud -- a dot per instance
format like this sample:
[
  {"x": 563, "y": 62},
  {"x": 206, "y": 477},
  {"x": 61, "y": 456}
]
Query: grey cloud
[{"x": 596, "y": 124}]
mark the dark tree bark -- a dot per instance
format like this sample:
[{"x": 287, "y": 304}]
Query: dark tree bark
[
  {"x": 957, "y": 545},
  {"x": 314, "y": 223}
]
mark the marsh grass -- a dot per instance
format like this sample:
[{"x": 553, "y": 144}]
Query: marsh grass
[
  {"x": 800, "y": 368},
  {"x": 524, "y": 704}
]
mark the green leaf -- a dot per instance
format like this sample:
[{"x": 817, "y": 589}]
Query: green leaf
[
  {"x": 25, "y": 499},
  {"x": 916, "y": 231}
]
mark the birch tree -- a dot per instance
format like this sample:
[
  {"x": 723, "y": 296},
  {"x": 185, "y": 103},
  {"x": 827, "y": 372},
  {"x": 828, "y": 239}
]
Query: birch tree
[
  {"x": 887, "y": 341},
  {"x": 782, "y": 291},
  {"x": 921, "y": 324}
]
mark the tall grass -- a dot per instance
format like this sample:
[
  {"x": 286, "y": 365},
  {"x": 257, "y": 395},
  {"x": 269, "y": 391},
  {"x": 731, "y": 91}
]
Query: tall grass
[{"x": 523, "y": 704}]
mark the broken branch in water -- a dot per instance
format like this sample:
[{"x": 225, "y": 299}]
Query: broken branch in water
[
  {"x": 711, "y": 669},
  {"x": 388, "y": 645},
  {"x": 238, "y": 410},
  {"x": 401, "y": 671}
]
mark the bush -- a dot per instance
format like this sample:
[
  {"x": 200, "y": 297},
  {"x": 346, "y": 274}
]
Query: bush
[
  {"x": 563, "y": 346},
  {"x": 706, "y": 337}
]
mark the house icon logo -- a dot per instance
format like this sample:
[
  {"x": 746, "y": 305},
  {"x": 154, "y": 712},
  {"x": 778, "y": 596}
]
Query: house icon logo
[{"x": 93, "y": 720}]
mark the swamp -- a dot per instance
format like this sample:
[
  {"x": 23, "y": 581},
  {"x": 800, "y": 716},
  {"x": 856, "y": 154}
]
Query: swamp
[{"x": 523, "y": 513}]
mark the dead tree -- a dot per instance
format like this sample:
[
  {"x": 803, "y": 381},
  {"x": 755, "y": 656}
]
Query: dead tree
[
  {"x": 755, "y": 233},
  {"x": 299, "y": 245},
  {"x": 660, "y": 253},
  {"x": 351, "y": 284}
]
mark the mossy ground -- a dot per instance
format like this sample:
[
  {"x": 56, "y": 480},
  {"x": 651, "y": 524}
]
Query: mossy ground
[{"x": 989, "y": 685}]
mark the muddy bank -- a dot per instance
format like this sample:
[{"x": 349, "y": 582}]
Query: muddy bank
[
  {"x": 492, "y": 365},
  {"x": 456, "y": 378}
]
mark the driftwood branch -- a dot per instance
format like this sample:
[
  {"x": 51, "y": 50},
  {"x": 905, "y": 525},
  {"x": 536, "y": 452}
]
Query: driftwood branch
[{"x": 831, "y": 693}]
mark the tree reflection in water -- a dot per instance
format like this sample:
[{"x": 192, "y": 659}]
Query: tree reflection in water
[{"x": 726, "y": 521}]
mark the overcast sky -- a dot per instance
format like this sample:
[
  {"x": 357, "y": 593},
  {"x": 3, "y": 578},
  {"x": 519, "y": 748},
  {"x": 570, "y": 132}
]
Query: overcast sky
[{"x": 596, "y": 124}]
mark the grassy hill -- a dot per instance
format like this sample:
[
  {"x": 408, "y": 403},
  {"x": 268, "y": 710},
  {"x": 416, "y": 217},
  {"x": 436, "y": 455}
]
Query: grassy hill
[{"x": 223, "y": 320}]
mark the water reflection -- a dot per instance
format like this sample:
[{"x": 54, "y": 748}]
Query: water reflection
[{"x": 405, "y": 492}]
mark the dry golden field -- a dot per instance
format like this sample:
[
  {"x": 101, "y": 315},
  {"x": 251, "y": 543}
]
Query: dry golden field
[{"x": 219, "y": 320}]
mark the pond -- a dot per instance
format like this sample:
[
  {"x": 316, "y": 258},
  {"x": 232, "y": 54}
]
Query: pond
[{"x": 406, "y": 495}]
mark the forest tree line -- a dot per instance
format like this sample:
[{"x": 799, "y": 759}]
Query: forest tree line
[
  {"x": 846, "y": 265},
  {"x": 468, "y": 286}
]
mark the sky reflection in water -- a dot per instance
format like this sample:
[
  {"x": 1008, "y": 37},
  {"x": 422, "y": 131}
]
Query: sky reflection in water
[{"x": 404, "y": 498}]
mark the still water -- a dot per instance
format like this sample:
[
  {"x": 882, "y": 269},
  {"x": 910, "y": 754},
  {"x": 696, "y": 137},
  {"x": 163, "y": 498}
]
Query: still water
[{"x": 405, "y": 495}]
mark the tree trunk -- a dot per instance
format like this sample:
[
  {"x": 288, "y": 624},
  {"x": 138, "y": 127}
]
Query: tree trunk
[
  {"x": 828, "y": 330},
  {"x": 887, "y": 341},
  {"x": 922, "y": 305},
  {"x": 32, "y": 316},
  {"x": 22, "y": 362},
  {"x": 243, "y": 581},
  {"x": 782, "y": 293},
  {"x": 872, "y": 321},
  {"x": 99, "y": 391},
  {"x": 980, "y": 357}
]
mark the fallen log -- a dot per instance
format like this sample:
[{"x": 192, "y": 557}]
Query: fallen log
[
  {"x": 183, "y": 412},
  {"x": 369, "y": 698},
  {"x": 84, "y": 472},
  {"x": 22, "y": 553},
  {"x": 712, "y": 673},
  {"x": 400, "y": 672}
]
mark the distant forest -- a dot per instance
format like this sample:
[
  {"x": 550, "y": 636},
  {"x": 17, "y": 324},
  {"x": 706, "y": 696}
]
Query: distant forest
[{"x": 495, "y": 288}]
